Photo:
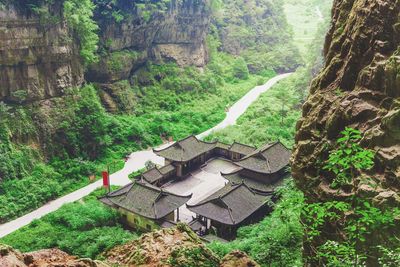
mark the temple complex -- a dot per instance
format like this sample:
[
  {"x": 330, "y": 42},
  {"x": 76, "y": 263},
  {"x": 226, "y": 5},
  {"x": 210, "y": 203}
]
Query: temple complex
[{"x": 213, "y": 200}]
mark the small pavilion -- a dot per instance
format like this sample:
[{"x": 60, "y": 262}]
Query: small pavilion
[{"x": 145, "y": 206}]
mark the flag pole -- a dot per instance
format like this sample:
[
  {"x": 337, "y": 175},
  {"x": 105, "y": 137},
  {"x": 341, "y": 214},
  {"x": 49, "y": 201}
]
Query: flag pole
[{"x": 108, "y": 178}]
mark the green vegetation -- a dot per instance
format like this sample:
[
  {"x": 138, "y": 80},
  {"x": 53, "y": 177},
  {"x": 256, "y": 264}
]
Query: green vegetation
[
  {"x": 165, "y": 101},
  {"x": 348, "y": 158},
  {"x": 273, "y": 116},
  {"x": 78, "y": 14},
  {"x": 258, "y": 32},
  {"x": 44, "y": 183},
  {"x": 176, "y": 102},
  {"x": 75, "y": 132},
  {"x": 306, "y": 17},
  {"x": 276, "y": 240},
  {"x": 119, "y": 10},
  {"x": 85, "y": 228},
  {"x": 355, "y": 220}
]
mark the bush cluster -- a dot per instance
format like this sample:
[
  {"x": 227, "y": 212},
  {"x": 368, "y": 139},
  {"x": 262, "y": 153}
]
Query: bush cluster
[{"x": 85, "y": 229}]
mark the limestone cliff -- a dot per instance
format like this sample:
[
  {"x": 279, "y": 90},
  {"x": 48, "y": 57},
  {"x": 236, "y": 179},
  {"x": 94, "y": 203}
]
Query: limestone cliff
[
  {"x": 177, "y": 34},
  {"x": 359, "y": 87},
  {"x": 38, "y": 59},
  {"x": 39, "y": 56}
]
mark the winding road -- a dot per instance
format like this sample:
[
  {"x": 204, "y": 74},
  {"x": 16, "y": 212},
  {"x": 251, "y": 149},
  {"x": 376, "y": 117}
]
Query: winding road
[{"x": 137, "y": 161}]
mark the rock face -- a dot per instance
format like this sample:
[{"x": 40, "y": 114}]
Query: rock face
[
  {"x": 168, "y": 247},
  {"x": 178, "y": 34},
  {"x": 359, "y": 87},
  {"x": 38, "y": 60},
  {"x": 10, "y": 257},
  {"x": 238, "y": 259}
]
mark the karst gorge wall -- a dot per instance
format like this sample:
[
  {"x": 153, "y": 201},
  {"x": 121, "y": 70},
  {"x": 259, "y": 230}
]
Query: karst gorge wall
[
  {"x": 359, "y": 87},
  {"x": 40, "y": 59},
  {"x": 36, "y": 60}
]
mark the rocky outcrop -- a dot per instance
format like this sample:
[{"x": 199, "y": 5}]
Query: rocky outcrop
[
  {"x": 359, "y": 87},
  {"x": 177, "y": 246},
  {"x": 38, "y": 59},
  {"x": 10, "y": 257},
  {"x": 238, "y": 259}
]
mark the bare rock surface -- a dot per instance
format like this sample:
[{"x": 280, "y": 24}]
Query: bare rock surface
[
  {"x": 359, "y": 87},
  {"x": 10, "y": 257},
  {"x": 166, "y": 247},
  {"x": 238, "y": 259},
  {"x": 37, "y": 60}
]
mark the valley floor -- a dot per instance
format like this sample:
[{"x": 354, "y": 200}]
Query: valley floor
[{"x": 137, "y": 161}]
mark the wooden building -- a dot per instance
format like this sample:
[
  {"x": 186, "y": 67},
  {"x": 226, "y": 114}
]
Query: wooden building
[
  {"x": 244, "y": 200},
  {"x": 262, "y": 170},
  {"x": 145, "y": 206},
  {"x": 233, "y": 206},
  {"x": 187, "y": 154}
]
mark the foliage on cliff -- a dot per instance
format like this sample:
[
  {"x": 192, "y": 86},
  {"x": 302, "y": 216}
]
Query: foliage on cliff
[
  {"x": 257, "y": 31},
  {"x": 358, "y": 88}
]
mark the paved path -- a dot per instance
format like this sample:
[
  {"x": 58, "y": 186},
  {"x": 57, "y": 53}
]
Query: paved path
[
  {"x": 319, "y": 13},
  {"x": 241, "y": 106},
  {"x": 136, "y": 162}
]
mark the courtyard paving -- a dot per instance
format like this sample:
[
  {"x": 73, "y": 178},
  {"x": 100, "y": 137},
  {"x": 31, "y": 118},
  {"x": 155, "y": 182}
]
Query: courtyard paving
[{"x": 201, "y": 183}]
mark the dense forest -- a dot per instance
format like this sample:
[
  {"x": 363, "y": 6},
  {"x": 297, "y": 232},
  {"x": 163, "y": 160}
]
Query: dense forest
[{"x": 110, "y": 77}]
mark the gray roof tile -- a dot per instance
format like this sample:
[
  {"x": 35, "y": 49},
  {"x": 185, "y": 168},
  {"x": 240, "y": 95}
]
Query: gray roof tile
[
  {"x": 241, "y": 148},
  {"x": 185, "y": 149},
  {"x": 237, "y": 177},
  {"x": 231, "y": 205},
  {"x": 268, "y": 159},
  {"x": 145, "y": 200}
]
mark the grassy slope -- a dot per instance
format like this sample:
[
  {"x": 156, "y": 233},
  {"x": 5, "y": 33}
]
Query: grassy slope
[
  {"x": 84, "y": 228},
  {"x": 302, "y": 16},
  {"x": 273, "y": 116}
]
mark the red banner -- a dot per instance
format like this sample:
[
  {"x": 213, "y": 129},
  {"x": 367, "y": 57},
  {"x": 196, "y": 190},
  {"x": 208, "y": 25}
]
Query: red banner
[{"x": 106, "y": 181}]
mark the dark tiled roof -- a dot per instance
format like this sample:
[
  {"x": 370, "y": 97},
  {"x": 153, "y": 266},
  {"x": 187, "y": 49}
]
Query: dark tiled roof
[
  {"x": 167, "y": 168},
  {"x": 196, "y": 225},
  {"x": 185, "y": 149},
  {"x": 237, "y": 177},
  {"x": 222, "y": 145},
  {"x": 268, "y": 159},
  {"x": 145, "y": 200},
  {"x": 241, "y": 148},
  {"x": 152, "y": 175},
  {"x": 230, "y": 205}
]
